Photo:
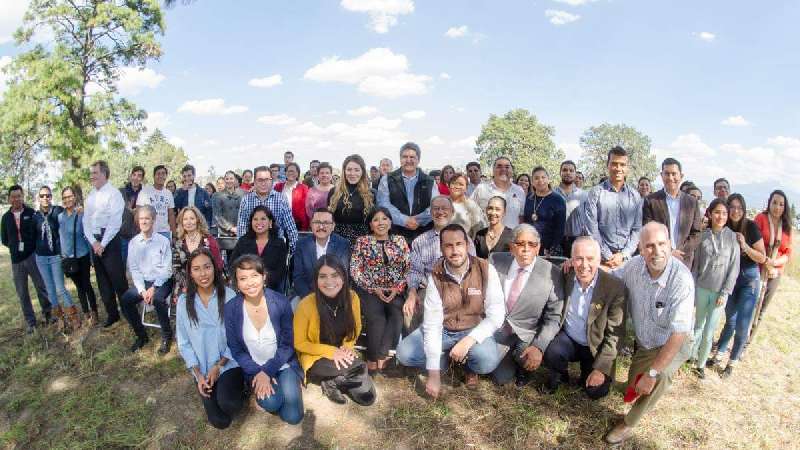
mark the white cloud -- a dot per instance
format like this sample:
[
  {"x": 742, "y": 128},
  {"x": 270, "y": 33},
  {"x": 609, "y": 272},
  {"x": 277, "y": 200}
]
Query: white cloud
[
  {"x": 176, "y": 141},
  {"x": 211, "y": 107},
  {"x": 414, "y": 115},
  {"x": 133, "y": 80},
  {"x": 434, "y": 140},
  {"x": 705, "y": 35},
  {"x": 558, "y": 17},
  {"x": 4, "y": 61},
  {"x": 155, "y": 120},
  {"x": 572, "y": 150},
  {"x": 457, "y": 32},
  {"x": 378, "y": 72},
  {"x": 362, "y": 111},
  {"x": 575, "y": 2},
  {"x": 277, "y": 119},
  {"x": 11, "y": 12},
  {"x": 736, "y": 121},
  {"x": 266, "y": 82},
  {"x": 382, "y": 13},
  {"x": 785, "y": 142},
  {"x": 468, "y": 141},
  {"x": 444, "y": 76}
]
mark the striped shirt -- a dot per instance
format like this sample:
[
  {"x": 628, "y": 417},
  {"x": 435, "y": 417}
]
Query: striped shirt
[
  {"x": 280, "y": 210},
  {"x": 425, "y": 251},
  {"x": 660, "y": 307}
]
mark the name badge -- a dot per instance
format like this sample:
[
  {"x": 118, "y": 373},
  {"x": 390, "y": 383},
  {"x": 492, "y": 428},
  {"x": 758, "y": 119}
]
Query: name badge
[
  {"x": 473, "y": 291},
  {"x": 21, "y": 246}
]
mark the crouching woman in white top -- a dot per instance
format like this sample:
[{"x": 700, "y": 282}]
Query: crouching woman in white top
[
  {"x": 202, "y": 342},
  {"x": 258, "y": 326}
]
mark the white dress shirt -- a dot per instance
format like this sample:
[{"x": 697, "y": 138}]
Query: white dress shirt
[
  {"x": 512, "y": 274},
  {"x": 674, "y": 209},
  {"x": 103, "y": 210},
  {"x": 322, "y": 249},
  {"x": 149, "y": 259}
]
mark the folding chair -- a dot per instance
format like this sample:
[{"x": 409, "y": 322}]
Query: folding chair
[{"x": 150, "y": 308}]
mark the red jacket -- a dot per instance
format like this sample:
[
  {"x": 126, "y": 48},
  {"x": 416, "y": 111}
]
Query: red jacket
[
  {"x": 298, "y": 205},
  {"x": 786, "y": 241}
]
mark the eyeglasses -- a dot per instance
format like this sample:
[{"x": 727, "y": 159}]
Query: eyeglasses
[
  {"x": 45, "y": 195},
  {"x": 526, "y": 244},
  {"x": 440, "y": 208},
  {"x": 321, "y": 223}
]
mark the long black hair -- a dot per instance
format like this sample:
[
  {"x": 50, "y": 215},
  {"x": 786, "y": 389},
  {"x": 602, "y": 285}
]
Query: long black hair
[
  {"x": 786, "y": 217},
  {"x": 739, "y": 227},
  {"x": 343, "y": 299},
  {"x": 250, "y": 232},
  {"x": 191, "y": 286}
]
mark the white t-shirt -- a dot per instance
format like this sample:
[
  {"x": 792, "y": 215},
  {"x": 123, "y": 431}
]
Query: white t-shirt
[
  {"x": 515, "y": 200},
  {"x": 162, "y": 201}
]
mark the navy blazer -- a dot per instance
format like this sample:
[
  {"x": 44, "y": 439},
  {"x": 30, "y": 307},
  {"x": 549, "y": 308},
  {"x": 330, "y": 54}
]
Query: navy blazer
[
  {"x": 281, "y": 318},
  {"x": 305, "y": 256},
  {"x": 201, "y": 200}
]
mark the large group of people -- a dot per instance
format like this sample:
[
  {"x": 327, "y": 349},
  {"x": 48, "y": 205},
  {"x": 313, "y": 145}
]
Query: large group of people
[{"x": 278, "y": 278}]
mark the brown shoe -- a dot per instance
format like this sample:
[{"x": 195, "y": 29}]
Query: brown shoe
[
  {"x": 74, "y": 317},
  {"x": 58, "y": 318},
  {"x": 619, "y": 433},
  {"x": 471, "y": 380}
]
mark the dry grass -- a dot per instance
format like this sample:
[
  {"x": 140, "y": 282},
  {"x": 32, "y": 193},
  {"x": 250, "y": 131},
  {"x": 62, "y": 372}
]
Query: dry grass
[{"x": 86, "y": 391}]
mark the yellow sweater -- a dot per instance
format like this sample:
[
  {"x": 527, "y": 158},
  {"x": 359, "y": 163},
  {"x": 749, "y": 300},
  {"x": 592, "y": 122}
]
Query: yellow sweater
[{"x": 306, "y": 331}]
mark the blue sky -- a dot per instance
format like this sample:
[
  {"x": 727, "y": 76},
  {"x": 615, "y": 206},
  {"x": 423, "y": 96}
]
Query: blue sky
[{"x": 713, "y": 83}]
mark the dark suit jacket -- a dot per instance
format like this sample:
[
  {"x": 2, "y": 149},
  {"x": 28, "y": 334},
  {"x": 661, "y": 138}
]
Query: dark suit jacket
[
  {"x": 536, "y": 316},
  {"x": 606, "y": 322},
  {"x": 201, "y": 200},
  {"x": 654, "y": 208},
  {"x": 305, "y": 256}
]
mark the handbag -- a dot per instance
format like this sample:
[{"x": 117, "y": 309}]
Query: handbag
[{"x": 71, "y": 265}]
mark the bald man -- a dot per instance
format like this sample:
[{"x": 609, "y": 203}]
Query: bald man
[
  {"x": 592, "y": 323},
  {"x": 661, "y": 306}
]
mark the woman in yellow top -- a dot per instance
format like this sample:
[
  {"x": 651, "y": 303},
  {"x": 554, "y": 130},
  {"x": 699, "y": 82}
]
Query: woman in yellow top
[{"x": 327, "y": 323}]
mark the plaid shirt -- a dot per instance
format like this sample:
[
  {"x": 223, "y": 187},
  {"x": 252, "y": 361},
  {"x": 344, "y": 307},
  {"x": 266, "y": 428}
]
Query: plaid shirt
[
  {"x": 276, "y": 203},
  {"x": 425, "y": 251}
]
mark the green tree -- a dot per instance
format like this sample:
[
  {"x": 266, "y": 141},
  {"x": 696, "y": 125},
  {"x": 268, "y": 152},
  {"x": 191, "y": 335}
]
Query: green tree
[
  {"x": 71, "y": 82},
  {"x": 520, "y": 136},
  {"x": 154, "y": 151},
  {"x": 597, "y": 141}
]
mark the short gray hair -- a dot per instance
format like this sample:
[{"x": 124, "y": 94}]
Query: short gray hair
[
  {"x": 586, "y": 240},
  {"x": 146, "y": 208},
  {"x": 525, "y": 228},
  {"x": 411, "y": 146},
  {"x": 445, "y": 197}
]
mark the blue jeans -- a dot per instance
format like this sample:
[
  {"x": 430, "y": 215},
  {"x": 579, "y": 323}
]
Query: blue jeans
[
  {"x": 53, "y": 277},
  {"x": 287, "y": 400},
  {"x": 482, "y": 358},
  {"x": 739, "y": 312}
]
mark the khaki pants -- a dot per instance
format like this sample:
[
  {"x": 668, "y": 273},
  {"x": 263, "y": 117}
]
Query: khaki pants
[{"x": 641, "y": 362}]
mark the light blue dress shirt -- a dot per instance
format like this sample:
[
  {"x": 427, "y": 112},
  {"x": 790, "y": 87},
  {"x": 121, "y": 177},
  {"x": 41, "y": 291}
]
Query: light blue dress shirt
[
  {"x": 203, "y": 343},
  {"x": 614, "y": 219},
  {"x": 149, "y": 259},
  {"x": 674, "y": 207},
  {"x": 578, "y": 311}
]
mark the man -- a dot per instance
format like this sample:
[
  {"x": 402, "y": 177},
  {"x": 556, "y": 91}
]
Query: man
[
  {"x": 374, "y": 177},
  {"x": 474, "y": 176},
  {"x": 534, "y": 298},
  {"x": 18, "y": 231},
  {"x": 425, "y": 251},
  {"x": 247, "y": 180},
  {"x": 463, "y": 309},
  {"x": 384, "y": 168},
  {"x": 150, "y": 263},
  {"x": 407, "y": 194},
  {"x": 579, "y": 178},
  {"x": 502, "y": 185},
  {"x": 310, "y": 178},
  {"x": 275, "y": 171},
  {"x": 160, "y": 198},
  {"x": 722, "y": 188},
  {"x": 130, "y": 193},
  {"x": 661, "y": 308},
  {"x": 311, "y": 248},
  {"x": 574, "y": 197},
  {"x": 102, "y": 218},
  {"x": 262, "y": 194},
  {"x": 288, "y": 158},
  {"x": 677, "y": 210},
  {"x": 192, "y": 194},
  {"x": 592, "y": 323},
  {"x": 614, "y": 212},
  {"x": 225, "y": 205}
]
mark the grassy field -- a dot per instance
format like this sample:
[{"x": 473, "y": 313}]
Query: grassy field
[{"x": 86, "y": 391}]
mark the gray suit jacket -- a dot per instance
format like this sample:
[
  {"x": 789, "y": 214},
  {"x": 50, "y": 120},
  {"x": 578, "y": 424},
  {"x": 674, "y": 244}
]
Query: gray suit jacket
[{"x": 536, "y": 316}]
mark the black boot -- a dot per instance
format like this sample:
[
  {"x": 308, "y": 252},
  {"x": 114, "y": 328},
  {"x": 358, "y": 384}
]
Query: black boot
[
  {"x": 332, "y": 391},
  {"x": 140, "y": 342},
  {"x": 111, "y": 320},
  {"x": 165, "y": 344}
]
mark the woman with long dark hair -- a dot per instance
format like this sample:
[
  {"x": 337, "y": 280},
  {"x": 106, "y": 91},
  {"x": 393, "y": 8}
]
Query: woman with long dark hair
[
  {"x": 75, "y": 251},
  {"x": 466, "y": 212},
  {"x": 775, "y": 224},
  {"x": 444, "y": 179},
  {"x": 262, "y": 241},
  {"x": 202, "y": 343},
  {"x": 326, "y": 325},
  {"x": 524, "y": 181},
  {"x": 742, "y": 302},
  {"x": 351, "y": 200},
  {"x": 259, "y": 331}
]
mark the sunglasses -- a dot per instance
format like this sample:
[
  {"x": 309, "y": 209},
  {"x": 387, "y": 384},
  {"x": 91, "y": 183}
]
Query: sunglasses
[{"x": 45, "y": 195}]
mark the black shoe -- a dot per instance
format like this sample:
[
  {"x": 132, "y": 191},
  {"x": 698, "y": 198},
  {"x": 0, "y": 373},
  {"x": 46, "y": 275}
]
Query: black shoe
[
  {"x": 727, "y": 372},
  {"x": 333, "y": 393},
  {"x": 699, "y": 372},
  {"x": 553, "y": 383},
  {"x": 712, "y": 362},
  {"x": 140, "y": 342},
  {"x": 30, "y": 329},
  {"x": 48, "y": 317},
  {"x": 523, "y": 378},
  {"x": 164, "y": 348},
  {"x": 110, "y": 321}
]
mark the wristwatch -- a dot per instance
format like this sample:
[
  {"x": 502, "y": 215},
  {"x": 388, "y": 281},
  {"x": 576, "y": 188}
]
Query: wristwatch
[{"x": 652, "y": 373}]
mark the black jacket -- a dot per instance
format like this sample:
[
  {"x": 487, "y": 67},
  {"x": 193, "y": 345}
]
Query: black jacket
[
  {"x": 8, "y": 230},
  {"x": 273, "y": 257}
]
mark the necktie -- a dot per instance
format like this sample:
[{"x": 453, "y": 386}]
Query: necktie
[{"x": 516, "y": 289}]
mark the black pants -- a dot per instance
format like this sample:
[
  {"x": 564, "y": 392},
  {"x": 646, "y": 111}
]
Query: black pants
[
  {"x": 110, "y": 272},
  {"x": 384, "y": 323},
  {"x": 352, "y": 380},
  {"x": 161, "y": 299},
  {"x": 562, "y": 351},
  {"x": 227, "y": 398},
  {"x": 83, "y": 284},
  {"x": 772, "y": 288}
]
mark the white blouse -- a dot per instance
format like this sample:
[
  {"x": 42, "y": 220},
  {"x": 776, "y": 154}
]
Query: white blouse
[{"x": 262, "y": 344}]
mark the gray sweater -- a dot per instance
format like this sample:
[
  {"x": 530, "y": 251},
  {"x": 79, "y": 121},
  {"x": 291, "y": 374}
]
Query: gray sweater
[
  {"x": 226, "y": 210},
  {"x": 716, "y": 261}
]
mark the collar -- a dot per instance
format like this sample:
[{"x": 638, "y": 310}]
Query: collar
[
  {"x": 326, "y": 242},
  {"x": 591, "y": 284},
  {"x": 407, "y": 178},
  {"x": 515, "y": 266},
  {"x": 454, "y": 276},
  {"x": 607, "y": 186},
  {"x": 662, "y": 279},
  {"x": 670, "y": 197}
]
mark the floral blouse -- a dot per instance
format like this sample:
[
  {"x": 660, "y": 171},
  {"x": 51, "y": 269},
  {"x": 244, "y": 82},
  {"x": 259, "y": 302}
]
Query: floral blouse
[
  {"x": 381, "y": 264},
  {"x": 180, "y": 256}
]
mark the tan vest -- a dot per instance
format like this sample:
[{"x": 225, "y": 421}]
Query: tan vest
[{"x": 462, "y": 304}]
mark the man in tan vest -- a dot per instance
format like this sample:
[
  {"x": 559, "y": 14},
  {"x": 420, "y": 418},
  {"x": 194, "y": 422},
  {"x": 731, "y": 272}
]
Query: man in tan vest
[{"x": 464, "y": 306}]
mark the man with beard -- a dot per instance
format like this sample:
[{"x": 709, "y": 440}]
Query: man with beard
[
  {"x": 501, "y": 184},
  {"x": 574, "y": 197}
]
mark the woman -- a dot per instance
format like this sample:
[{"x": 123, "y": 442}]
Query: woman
[
  {"x": 220, "y": 184},
  {"x": 775, "y": 224},
  {"x": 202, "y": 342},
  {"x": 48, "y": 259},
  {"x": 352, "y": 200},
  {"x": 467, "y": 213},
  {"x": 295, "y": 193},
  {"x": 644, "y": 187},
  {"x": 379, "y": 266},
  {"x": 496, "y": 237},
  {"x": 547, "y": 211},
  {"x": 225, "y": 206},
  {"x": 191, "y": 234},
  {"x": 326, "y": 325},
  {"x": 741, "y": 303},
  {"x": 258, "y": 327},
  {"x": 75, "y": 252},
  {"x": 317, "y": 196},
  {"x": 261, "y": 241},
  {"x": 715, "y": 268},
  {"x": 444, "y": 179},
  {"x": 211, "y": 189},
  {"x": 524, "y": 181},
  {"x": 171, "y": 186}
]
